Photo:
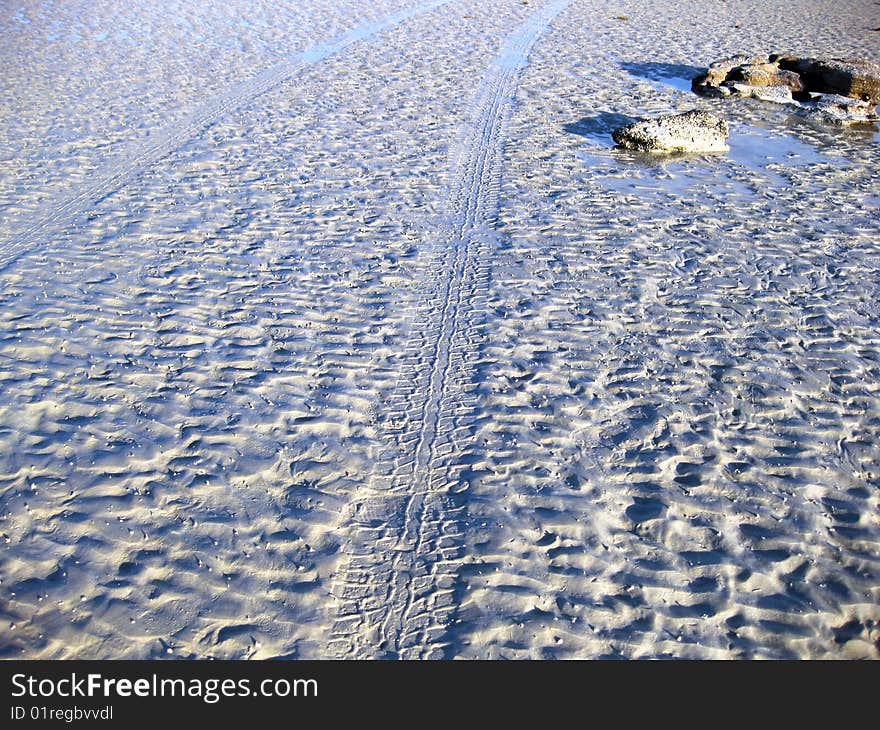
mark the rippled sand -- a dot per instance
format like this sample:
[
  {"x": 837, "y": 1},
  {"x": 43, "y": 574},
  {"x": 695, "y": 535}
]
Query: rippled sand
[{"x": 340, "y": 329}]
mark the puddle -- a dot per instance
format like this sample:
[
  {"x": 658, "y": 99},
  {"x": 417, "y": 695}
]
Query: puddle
[
  {"x": 756, "y": 147},
  {"x": 771, "y": 153},
  {"x": 763, "y": 153},
  {"x": 660, "y": 176}
]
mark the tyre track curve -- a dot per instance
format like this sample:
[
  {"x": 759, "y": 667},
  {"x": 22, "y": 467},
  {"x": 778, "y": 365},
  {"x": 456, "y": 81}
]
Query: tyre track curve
[
  {"x": 395, "y": 595},
  {"x": 170, "y": 138}
]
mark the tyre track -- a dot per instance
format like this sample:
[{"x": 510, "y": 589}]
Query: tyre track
[
  {"x": 396, "y": 593},
  {"x": 66, "y": 210}
]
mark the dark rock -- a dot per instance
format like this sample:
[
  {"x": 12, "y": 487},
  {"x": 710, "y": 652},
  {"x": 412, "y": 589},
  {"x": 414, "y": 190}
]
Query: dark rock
[{"x": 858, "y": 79}]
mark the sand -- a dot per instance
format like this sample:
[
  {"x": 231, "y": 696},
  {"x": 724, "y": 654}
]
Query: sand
[{"x": 341, "y": 330}]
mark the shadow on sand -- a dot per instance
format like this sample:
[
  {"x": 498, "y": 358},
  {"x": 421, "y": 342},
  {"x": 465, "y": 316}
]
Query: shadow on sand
[
  {"x": 662, "y": 71},
  {"x": 600, "y": 126}
]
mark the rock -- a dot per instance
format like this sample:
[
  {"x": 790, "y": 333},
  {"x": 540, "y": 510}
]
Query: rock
[
  {"x": 744, "y": 76},
  {"x": 765, "y": 74},
  {"x": 839, "y": 110},
  {"x": 720, "y": 69},
  {"x": 709, "y": 82},
  {"x": 858, "y": 79},
  {"x": 693, "y": 131},
  {"x": 776, "y": 94}
]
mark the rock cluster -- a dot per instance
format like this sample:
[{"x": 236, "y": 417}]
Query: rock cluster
[
  {"x": 693, "y": 131},
  {"x": 831, "y": 91}
]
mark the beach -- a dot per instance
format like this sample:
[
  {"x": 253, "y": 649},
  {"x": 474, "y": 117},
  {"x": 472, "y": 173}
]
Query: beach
[{"x": 343, "y": 330}]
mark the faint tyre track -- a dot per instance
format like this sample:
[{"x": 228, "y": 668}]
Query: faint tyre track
[
  {"x": 396, "y": 591},
  {"x": 145, "y": 153}
]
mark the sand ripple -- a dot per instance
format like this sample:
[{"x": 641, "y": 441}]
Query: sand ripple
[{"x": 672, "y": 376}]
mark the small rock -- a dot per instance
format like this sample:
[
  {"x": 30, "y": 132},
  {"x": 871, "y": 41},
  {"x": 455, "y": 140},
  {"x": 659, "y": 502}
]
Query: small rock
[
  {"x": 776, "y": 94},
  {"x": 726, "y": 65},
  {"x": 765, "y": 74},
  {"x": 693, "y": 131},
  {"x": 839, "y": 110},
  {"x": 709, "y": 82}
]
